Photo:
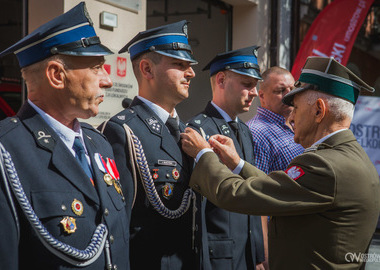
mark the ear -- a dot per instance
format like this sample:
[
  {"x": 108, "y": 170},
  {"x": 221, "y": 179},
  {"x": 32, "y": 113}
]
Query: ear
[
  {"x": 146, "y": 68},
  {"x": 320, "y": 110},
  {"x": 56, "y": 74},
  {"x": 220, "y": 79}
]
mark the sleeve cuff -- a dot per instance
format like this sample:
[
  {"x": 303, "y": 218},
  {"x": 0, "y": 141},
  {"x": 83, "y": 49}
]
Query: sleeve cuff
[
  {"x": 200, "y": 154},
  {"x": 239, "y": 167}
]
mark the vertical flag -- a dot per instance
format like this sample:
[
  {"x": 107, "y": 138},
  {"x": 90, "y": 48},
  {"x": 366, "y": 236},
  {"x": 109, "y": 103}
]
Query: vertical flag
[{"x": 333, "y": 32}]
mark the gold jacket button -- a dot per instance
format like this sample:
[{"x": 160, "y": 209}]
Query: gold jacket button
[{"x": 106, "y": 212}]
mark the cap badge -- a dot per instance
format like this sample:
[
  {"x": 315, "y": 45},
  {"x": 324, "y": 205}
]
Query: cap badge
[
  {"x": 69, "y": 224},
  {"x": 77, "y": 207},
  {"x": 185, "y": 29}
]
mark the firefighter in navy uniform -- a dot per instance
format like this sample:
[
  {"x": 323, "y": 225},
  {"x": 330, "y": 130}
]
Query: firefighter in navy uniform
[
  {"x": 66, "y": 209},
  {"x": 235, "y": 240},
  {"x": 161, "y": 59}
]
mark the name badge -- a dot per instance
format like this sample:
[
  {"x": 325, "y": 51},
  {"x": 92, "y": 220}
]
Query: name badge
[{"x": 167, "y": 163}]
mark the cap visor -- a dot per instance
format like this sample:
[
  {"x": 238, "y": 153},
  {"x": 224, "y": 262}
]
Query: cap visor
[
  {"x": 251, "y": 72},
  {"x": 179, "y": 54},
  {"x": 288, "y": 98},
  {"x": 93, "y": 50}
]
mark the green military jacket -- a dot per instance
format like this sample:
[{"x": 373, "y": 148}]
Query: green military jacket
[{"x": 323, "y": 208}]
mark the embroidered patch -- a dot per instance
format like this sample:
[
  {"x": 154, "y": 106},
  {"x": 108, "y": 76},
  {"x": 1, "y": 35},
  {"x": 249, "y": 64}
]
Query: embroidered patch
[
  {"x": 295, "y": 172},
  {"x": 225, "y": 130},
  {"x": 154, "y": 125}
]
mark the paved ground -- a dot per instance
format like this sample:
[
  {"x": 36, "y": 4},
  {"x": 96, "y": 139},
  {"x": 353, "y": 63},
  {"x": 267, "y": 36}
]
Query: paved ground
[{"x": 374, "y": 248}]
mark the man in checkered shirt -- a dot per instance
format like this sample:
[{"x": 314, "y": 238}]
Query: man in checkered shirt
[{"x": 272, "y": 134}]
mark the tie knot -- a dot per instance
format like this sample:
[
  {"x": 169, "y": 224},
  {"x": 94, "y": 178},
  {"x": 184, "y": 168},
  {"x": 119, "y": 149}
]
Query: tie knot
[
  {"x": 234, "y": 125},
  {"x": 173, "y": 127},
  {"x": 78, "y": 146}
]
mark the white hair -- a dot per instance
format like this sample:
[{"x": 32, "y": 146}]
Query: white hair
[{"x": 338, "y": 107}]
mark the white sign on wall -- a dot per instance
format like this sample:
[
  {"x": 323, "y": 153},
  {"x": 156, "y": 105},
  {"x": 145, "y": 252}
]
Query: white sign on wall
[
  {"x": 119, "y": 67},
  {"x": 366, "y": 127}
]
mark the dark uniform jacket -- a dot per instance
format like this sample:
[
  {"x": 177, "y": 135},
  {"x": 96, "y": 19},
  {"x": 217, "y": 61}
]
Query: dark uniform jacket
[
  {"x": 52, "y": 179},
  {"x": 324, "y": 206},
  {"x": 235, "y": 240},
  {"x": 156, "y": 241}
]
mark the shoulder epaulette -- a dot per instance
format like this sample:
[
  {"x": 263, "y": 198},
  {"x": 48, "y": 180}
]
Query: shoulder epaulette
[
  {"x": 198, "y": 121},
  {"x": 124, "y": 116},
  {"x": 8, "y": 124},
  {"x": 311, "y": 148},
  {"x": 91, "y": 128}
]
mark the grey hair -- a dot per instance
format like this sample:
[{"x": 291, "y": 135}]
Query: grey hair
[
  {"x": 36, "y": 68},
  {"x": 339, "y": 108}
]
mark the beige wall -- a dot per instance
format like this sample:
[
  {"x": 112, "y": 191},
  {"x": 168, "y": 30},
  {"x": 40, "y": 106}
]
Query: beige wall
[
  {"x": 129, "y": 23},
  {"x": 42, "y": 11},
  {"x": 250, "y": 27}
]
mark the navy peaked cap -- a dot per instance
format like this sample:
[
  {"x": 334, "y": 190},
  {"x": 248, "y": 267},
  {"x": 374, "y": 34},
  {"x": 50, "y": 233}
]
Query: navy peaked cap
[
  {"x": 242, "y": 61},
  {"x": 71, "y": 33},
  {"x": 170, "y": 40}
]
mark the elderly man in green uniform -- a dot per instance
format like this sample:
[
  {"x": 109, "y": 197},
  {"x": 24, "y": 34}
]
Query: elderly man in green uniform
[{"x": 325, "y": 206}]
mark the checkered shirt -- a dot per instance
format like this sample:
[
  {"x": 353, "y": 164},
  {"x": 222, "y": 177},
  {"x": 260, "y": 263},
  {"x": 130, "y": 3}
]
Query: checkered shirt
[{"x": 274, "y": 146}]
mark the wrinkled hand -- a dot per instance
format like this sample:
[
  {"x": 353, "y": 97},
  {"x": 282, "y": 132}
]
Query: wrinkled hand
[
  {"x": 193, "y": 142},
  {"x": 224, "y": 147}
]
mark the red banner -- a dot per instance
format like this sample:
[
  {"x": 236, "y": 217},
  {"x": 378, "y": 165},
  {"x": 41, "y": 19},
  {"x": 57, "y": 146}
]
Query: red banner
[{"x": 333, "y": 32}]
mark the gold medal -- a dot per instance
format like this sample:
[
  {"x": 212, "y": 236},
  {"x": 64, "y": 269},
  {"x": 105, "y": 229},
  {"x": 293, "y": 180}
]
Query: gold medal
[
  {"x": 175, "y": 174},
  {"x": 108, "y": 179},
  {"x": 69, "y": 224},
  {"x": 117, "y": 187},
  {"x": 77, "y": 207}
]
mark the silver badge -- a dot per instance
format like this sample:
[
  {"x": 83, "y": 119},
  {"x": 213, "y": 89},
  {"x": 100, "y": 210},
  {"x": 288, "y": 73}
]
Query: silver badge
[
  {"x": 121, "y": 117},
  {"x": 185, "y": 29},
  {"x": 255, "y": 53}
]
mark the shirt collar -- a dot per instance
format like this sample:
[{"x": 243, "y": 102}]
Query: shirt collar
[
  {"x": 161, "y": 113},
  {"x": 225, "y": 116},
  {"x": 271, "y": 116},
  {"x": 327, "y": 136},
  {"x": 67, "y": 135}
]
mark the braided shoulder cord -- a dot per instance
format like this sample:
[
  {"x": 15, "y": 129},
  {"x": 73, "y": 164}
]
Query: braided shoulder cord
[
  {"x": 148, "y": 184},
  {"x": 65, "y": 252}
]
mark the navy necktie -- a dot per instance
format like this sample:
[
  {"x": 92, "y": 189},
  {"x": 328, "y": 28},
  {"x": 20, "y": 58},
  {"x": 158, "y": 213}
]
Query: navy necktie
[
  {"x": 80, "y": 155},
  {"x": 173, "y": 127},
  {"x": 235, "y": 128}
]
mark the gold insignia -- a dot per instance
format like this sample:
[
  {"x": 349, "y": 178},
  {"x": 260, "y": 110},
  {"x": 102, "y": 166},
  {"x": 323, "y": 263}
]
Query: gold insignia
[
  {"x": 77, "y": 207},
  {"x": 117, "y": 186},
  {"x": 167, "y": 191},
  {"x": 108, "y": 179},
  {"x": 175, "y": 174},
  {"x": 69, "y": 224}
]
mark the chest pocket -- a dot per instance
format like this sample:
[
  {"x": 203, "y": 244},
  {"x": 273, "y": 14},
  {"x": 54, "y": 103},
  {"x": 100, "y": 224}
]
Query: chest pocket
[
  {"x": 164, "y": 173},
  {"x": 52, "y": 207},
  {"x": 49, "y": 204}
]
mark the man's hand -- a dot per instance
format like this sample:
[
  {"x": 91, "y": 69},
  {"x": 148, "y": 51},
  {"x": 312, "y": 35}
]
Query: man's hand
[
  {"x": 193, "y": 142},
  {"x": 224, "y": 147}
]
